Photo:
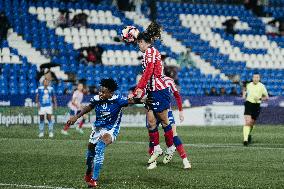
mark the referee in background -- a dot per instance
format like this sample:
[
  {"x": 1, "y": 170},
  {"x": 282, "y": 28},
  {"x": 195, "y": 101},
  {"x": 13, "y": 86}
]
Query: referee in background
[{"x": 254, "y": 93}]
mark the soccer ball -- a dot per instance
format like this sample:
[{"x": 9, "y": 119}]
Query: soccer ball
[{"x": 129, "y": 34}]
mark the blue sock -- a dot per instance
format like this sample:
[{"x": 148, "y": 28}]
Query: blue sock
[
  {"x": 177, "y": 141},
  {"x": 50, "y": 126},
  {"x": 41, "y": 126},
  {"x": 89, "y": 160},
  {"x": 99, "y": 158}
]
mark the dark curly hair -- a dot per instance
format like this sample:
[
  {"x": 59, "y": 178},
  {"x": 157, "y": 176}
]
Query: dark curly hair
[
  {"x": 152, "y": 33},
  {"x": 109, "y": 83}
]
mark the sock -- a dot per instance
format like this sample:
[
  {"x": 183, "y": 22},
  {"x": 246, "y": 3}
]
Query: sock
[
  {"x": 89, "y": 161},
  {"x": 169, "y": 136},
  {"x": 41, "y": 126},
  {"x": 251, "y": 128},
  {"x": 81, "y": 123},
  {"x": 179, "y": 146},
  {"x": 66, "y": 127},
  {"x": 246, "y": 130},
  {"x": 154, "y": 140},
  {"x": 50, "y": 126},
  {"x": 99, "y": 158}
]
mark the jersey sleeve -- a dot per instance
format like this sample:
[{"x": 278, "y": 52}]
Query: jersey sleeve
[
  {"x": 264, "y": 91},
  {"x": 178, "y": 100},
  {"x": 123, "y": 101},
  {"x": 150, "y": 60}
]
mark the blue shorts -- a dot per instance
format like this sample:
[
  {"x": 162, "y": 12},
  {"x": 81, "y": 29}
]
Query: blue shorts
[
  {"x": 161, "y": 100},
  {"x": 170, "y": 116},
  {"x": 72, "y": 112}
]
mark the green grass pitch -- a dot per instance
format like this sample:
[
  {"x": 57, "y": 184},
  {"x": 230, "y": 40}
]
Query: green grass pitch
[{"x": 218, "y": 158}]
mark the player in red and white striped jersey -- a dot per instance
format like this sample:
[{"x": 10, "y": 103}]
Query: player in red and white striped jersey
[
  {"x": 153, "y": 80},
  {"x": 177, "y": 142}
]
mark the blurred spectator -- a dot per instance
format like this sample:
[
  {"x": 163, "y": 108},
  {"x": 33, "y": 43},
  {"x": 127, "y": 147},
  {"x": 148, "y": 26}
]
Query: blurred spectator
[
  {"x": 256, "y": 6},
  {"x": 185, "y": 59},
  {"x": 213, "y": 92},
  {"x": 80, "y": 20},
  {"x": 230, "y": 26},
  {"x": 91, "y": 55},
  {"x": 223, "y": 91},
  {"x": 63, "y": 20},
  {"x": 271, "y": 28},
  {"x": 234, "y": 92},
  {"x": 5, "y": 25},
  {"x": 125, "y": 5}
]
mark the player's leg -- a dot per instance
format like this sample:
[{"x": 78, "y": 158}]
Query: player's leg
[
  {"x": 81, "y": 123},
  {"x": 153, "y": 136},
  {"x": 167, "y": 126},
  {"x": 89, "y": 161},
  {"x": 50, "y": 125},
  {"x": 180, "y": 149},
  {"x": 247, "y": 128},
  {"x": 64, "y": 131},
  {"x": 41, "y": 125},
  {"x": 105, "y": 140}
]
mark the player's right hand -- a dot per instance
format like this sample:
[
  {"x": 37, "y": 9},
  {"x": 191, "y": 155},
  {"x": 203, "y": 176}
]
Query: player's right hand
[{"x": 72, "y": 120}]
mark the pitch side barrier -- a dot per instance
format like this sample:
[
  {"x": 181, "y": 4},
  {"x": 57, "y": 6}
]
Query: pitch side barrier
[{"x": 203, "y": 111}]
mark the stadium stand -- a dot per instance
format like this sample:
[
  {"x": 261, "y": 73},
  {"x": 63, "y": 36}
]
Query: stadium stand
[{"x": 218, "y": 55}]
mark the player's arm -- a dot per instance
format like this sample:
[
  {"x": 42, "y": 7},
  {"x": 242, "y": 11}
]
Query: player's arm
[
  {"x": 37, "y": 100},
  {"x": 145, "y": 76},
  {"x": 244, "y": 92},
  {"x": 54, "y": 99},
  {"x": 179, "y": 104},
  {"x": 84, "y": 111},
  {"x": 265, "y": 95},
  {"x": 139, "y": 100}
]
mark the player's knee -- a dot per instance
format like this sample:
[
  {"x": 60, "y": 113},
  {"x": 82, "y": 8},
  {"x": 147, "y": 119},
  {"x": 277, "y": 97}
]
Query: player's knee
[{"x": 106, "y": 138}]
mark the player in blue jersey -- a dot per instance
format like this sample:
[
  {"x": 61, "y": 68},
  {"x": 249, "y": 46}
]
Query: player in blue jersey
[
  {"x": 46, "y": 100},
  {"x": 108, "y": 107}
]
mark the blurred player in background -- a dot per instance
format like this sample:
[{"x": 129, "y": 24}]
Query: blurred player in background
[
  {"x": 254, "y": 93},
  {"x": 153, "y": 80},
  {"x": 177, "y": 142},
  {"x": 75, "y": 106},
  {"x": 108, "y": 107},
  {"x": 46, "y": 100}
]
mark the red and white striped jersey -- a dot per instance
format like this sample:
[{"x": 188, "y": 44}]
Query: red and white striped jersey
[{"x": 153, "y": 71}]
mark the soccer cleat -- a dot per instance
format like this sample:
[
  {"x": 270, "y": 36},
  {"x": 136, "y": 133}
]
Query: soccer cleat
[
  {"x": 249, "y": 139},
  {"x": 64, "y": 132},
  {"x": 51, "y": 135},
  {"x": 88, "y": 178},
  {"x": 152, "y": 165},
  {"x": 245, "y": 143},
  {"x": 92, "y": 183},
  {"x": 186, "y": 164},
  {"x": 41, "y": 135},
  {"x": 157, "y": 152},
  {"x": 169, "y": 154},
  {"x": 80, "y": 130}
]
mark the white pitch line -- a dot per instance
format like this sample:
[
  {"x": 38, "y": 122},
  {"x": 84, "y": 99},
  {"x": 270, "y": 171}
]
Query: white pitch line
[
  {"x": 32, "y": 186},
  {"x": 240, "y": 146}
]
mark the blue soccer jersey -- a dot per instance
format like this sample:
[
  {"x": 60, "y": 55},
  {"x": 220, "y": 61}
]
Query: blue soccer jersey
[
  {"x": 45, "y": 96},
  {"x": 108, "y": 112}
]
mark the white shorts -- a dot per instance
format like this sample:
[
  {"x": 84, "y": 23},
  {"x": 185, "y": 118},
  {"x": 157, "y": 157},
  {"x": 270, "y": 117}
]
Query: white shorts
[
  {"x": 98, "y": 132},
  {"x": 45, "y": 110}
]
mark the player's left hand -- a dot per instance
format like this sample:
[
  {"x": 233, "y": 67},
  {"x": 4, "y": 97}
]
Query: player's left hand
[{"x": 181, "y": 116}]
